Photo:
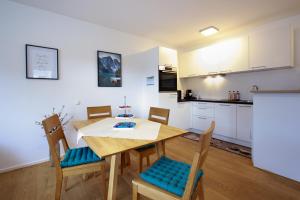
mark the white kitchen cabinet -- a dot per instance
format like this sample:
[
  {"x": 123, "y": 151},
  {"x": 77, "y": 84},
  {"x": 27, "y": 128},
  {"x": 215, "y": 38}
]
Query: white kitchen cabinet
[
  {"x": 225, "y": 118},
  {"x": 188, "y": 65},
  {"x": 244, "y": 122},
  {"x": 233, "y": 55},
  {"x": 179, "y": 112},
  {"x": 201, "y": 123},
  {"x": 271, "y": 47},
  {"x": 168, "y": 57},
  {"x": 202, "y": 115}
]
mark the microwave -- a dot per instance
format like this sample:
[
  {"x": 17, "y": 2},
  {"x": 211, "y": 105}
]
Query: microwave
[{"x": 167, "y": 80}]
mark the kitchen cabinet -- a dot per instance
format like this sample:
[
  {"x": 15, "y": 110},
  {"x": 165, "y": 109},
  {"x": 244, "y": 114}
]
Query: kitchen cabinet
[
  {"x": 244, "y": 122},
  {"x": 222, "y": 57},
  {"x": 188, "y": 65},
  {"x": 225, "y": 118},
  {"x": 202, "y": 115},
  {"x": 179, "y": 112},
  {"x": 168, "y": 57},
  {"x": 271, "y": 47},
  {"x": 233, "y": 121},
  {"x": 233, "y": 55}
]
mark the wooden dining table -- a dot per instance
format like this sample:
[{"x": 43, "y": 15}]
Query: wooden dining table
[{"x": 106, "y": 147}]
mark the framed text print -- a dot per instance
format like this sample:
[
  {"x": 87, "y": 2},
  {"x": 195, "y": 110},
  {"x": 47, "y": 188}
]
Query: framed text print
[
  {"x": 41, "y": 62},
  {"x": 109, "y": 69}
]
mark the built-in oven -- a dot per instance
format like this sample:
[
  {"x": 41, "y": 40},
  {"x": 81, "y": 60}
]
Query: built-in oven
[{"x": 167, "y": 79}]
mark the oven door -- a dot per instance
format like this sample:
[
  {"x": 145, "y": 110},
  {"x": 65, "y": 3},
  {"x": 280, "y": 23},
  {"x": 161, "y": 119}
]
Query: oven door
[{"x": 167, "y": 81}]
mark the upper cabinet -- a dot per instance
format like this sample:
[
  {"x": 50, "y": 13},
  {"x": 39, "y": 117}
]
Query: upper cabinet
[
  {"x": 233, "y": 55},
  {"x": 167, "y": 57},
  {"x": 223, "y": 57},
  {"x": 271, "y": 47},
  {"x": 189, "y": 64},
  {"x": 265, "y": 48}
]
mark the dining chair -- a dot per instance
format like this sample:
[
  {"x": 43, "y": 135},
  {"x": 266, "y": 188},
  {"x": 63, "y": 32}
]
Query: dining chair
[
  {"x": 169, "y": 179},
  {"x": 75, "y": 162},
  {"x": 99, "y": 112},
  {"x": 160, "y": 115}
]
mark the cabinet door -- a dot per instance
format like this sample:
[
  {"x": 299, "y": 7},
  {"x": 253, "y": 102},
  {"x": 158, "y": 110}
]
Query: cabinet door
[
  {"x": 271, "y": 47},
  {"x": 208, "y": 60},
  {"x": 244, "y": 122},
  {"x": 225, "y": 118},
  {"x": 188, "y": 66},
  {"x": 201, "y": 123},
  {"x": 233, "y": 55},
  {"x": 167, "y": 56},
  {"x": 179, "y": 112}
]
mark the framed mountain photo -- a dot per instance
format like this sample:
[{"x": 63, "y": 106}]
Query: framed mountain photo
[{"x": 109, "y": 69}]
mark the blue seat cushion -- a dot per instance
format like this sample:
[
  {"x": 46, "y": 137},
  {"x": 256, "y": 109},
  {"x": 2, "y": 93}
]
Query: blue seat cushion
[
  {"x": 170, "y": 175},
  {"x": 79, "y": 156},
  {"x": 143, "y": 148}
]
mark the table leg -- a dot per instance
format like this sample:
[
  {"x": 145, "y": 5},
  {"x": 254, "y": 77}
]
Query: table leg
[{"x": 113, "y": 177}]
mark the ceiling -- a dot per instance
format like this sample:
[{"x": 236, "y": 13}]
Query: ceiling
[{"x": 174, "y": 22}]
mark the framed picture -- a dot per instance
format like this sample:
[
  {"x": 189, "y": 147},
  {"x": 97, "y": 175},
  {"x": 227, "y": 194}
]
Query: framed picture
[
  {"x": 41, "y": 62},
  {"x": 109, "y": 69}
]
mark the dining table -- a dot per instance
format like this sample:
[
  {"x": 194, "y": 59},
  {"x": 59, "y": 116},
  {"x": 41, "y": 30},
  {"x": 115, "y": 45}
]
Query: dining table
[{"x": 106, "y": 147}]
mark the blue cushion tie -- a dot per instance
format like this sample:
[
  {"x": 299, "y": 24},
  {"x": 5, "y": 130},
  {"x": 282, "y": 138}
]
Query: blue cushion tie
[
  {"x": 79, "y": 156},
  {"x": 170, "y": 175}
]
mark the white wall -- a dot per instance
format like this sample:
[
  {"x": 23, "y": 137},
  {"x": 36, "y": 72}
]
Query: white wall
[
  {"x": 276, "y": 79},
  {"x": 24, "y": 101}
]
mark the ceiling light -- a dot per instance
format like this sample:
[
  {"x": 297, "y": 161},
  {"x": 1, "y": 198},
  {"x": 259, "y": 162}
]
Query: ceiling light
[{"x": 209, "y": 31}]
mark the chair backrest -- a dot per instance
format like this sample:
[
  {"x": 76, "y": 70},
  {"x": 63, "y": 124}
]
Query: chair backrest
[
  {"x": 160, "y": 115},
  {"x": 54, "y": 132},
  {"x": 199, "y": 159},
  {"x": 98, "y": 112}
]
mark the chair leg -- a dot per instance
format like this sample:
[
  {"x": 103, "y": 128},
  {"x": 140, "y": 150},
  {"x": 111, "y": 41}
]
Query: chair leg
[
  {"x": 65, "y": 183},
  {"x": 148, "y": 161},
  {"x": 140, "y": 161},
  {"x": 122, "y": 162},
  {"x": 103, "y": 179},
  {"x": 135, "y": 194},
  {"x": 127, "y": 156},
  {"x": 59, "y": 179},
  {"x": 201, "y": 190},
  {"x": 163, "y": 143}
]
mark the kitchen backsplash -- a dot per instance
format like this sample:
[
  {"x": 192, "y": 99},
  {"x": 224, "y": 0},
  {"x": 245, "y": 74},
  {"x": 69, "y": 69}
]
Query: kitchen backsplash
[{"x": 218, "y": 87}]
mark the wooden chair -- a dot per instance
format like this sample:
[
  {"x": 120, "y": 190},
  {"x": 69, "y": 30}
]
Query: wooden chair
[
  {"x": 160, "y": 115},
  {"x": 72, "y": 164},
  {"x": 99, "y": 112},
  {"x": 187, "y": 185}
]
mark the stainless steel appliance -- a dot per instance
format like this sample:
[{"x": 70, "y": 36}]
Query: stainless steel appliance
[{"x": 167, "y": 79}]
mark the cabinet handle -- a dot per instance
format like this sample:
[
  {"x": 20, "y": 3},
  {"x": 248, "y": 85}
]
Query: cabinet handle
[
  {"x": 245, "y": 106},
  {"x": 202, "y": 117},
  {"x": 259, "y": 67},
  {"x": 224, "y": 105},
  {"x": 210, "y": 73},
  {"x": 192, "y": 74},
  {"x": 202, "y": 108},
  {"x": 225, "y": 71}
]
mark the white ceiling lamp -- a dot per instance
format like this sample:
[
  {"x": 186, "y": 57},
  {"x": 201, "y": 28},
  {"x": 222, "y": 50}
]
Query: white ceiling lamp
[{"x": 209, "y": 31}]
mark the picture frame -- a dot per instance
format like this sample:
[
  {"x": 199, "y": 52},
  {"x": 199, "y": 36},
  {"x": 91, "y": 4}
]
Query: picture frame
[
  {"x": 109, "y": 69},
  {"x": 41, "y": 62}
]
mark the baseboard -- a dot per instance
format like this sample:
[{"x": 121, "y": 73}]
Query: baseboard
[{"x": 19, "y": 166}]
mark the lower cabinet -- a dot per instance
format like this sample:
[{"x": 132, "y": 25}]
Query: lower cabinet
[
  {"x": 179, "y": 112},
  {"x": 225, "y": 118},
  {"x": 233, "y": 121},
  {"x": 244, "y": 122},
  {"x": 201, "y": 123}
]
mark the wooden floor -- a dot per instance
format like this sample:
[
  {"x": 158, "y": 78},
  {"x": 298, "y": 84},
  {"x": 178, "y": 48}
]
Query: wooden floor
[{"x": 227, "y": 177}]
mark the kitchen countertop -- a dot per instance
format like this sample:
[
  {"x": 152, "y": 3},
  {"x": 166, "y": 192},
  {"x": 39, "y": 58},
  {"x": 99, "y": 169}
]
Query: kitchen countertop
[{"x": 218, "y": 101}]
